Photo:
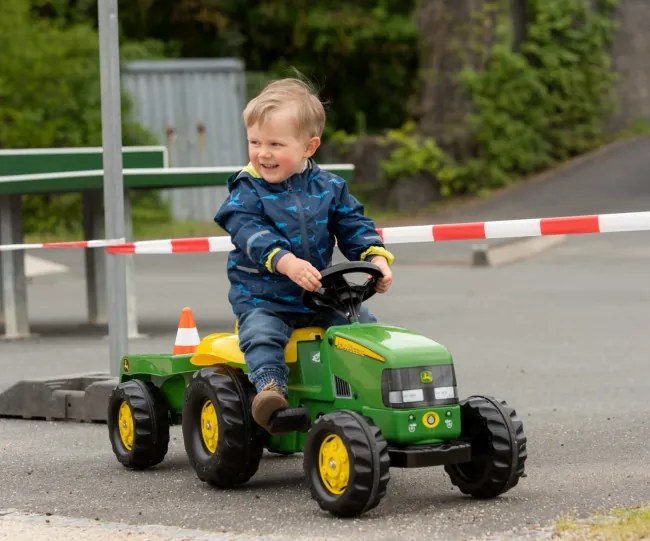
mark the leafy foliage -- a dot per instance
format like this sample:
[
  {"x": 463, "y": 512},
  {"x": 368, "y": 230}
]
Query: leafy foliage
[
  {"x": 412, "y": 155},
  {"x": 545, "y": 101},
  {"x": 50, "y": 97},
  {"x": 362, "y": 55},
  {"x": 534, "y": 102},
  {"x": 49, "y": 82}
]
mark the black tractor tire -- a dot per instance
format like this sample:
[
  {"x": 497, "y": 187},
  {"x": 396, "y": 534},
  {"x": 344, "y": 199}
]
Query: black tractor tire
[
  {"x": 138, "y": 424},
  {"x": 233, "y": 454},
  {"x": 498, "y": 448},
  {"x": 364, "y": 461}
]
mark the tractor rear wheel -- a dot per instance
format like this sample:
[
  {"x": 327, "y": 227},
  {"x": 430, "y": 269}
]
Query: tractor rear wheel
[
  {"x": 346, "y": 463},
  {"x": 222, "y": 441},
  {"x": 138, "y": 424},
  {"x": 498, "y": 448}
]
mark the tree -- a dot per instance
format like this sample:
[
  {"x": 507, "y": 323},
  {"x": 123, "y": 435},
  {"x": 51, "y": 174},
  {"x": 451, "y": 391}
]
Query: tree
[{"x": 452, "y": 36}]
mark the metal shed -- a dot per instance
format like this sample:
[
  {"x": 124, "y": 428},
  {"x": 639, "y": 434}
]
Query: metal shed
[{"x": 194, "y": 108}]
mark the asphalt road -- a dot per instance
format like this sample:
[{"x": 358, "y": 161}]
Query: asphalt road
[{"x": 563, "y": 337}]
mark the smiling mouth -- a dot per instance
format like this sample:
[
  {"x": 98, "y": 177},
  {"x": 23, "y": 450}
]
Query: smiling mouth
[{"x": 264, "y": 166}]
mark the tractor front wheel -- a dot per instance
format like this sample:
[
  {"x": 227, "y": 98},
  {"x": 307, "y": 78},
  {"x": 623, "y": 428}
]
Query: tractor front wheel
[
  {"x": 498, "y": 448},
  {"x": 346, "y": 463},
  {"x": 138, "y": 424},
  {"x": 221, "y": 439}
]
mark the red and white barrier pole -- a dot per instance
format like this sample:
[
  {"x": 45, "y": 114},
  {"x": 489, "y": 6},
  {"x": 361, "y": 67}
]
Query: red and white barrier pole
[
  {"x": 536, "y": 227},
  {"x": 500, "y": 229},
  {"x": 572, "y": 225},
  {"x": 69, "y": 244}
]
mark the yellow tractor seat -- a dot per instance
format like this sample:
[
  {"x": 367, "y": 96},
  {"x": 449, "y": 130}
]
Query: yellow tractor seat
[{"x": 223, "y": 347}]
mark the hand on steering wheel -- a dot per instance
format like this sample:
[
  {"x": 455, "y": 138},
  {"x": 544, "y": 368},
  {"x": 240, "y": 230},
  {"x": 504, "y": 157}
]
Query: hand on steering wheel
[
  {"x": 339, "y": 295},
  {"x": 300, "y": 271}
]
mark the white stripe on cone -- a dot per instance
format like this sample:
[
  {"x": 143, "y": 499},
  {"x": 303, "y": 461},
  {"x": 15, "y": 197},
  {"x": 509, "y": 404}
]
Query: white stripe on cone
[{"x": 187, "y": 337}]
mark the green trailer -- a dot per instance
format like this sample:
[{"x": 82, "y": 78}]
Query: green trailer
[{"x": 362, "y": 398}]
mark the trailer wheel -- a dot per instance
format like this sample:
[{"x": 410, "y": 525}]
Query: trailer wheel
[
  {"x": 498, "y": 448},
  {"x": 138, "y": 424},
  {"x": 346, "y": 463},
  {"x": 220, "y": 436}
]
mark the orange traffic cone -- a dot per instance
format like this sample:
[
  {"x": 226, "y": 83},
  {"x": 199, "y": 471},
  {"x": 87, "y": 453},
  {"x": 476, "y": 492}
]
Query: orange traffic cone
[{"x": 187, "y": 336}]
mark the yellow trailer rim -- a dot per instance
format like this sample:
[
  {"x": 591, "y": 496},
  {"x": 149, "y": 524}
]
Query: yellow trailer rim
[
  {"x": 126, "y": 425},
  {"x": 209, "y": 426}
]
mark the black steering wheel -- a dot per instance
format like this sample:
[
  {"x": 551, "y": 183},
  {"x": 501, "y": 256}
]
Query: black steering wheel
[{"x": 339, "y": 295}]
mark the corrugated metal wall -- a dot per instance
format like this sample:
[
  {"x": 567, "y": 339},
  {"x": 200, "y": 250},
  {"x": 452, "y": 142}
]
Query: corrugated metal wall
[{"x": 194, "y": 108}]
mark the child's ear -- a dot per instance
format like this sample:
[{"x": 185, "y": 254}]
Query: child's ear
[{"x": 312, "y": 146}]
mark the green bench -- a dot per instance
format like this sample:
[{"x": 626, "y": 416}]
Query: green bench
[
  {"x": 57, "y": 170},
  {"x": 46, "y": 171},
  {"x": 30, "y": 161}
]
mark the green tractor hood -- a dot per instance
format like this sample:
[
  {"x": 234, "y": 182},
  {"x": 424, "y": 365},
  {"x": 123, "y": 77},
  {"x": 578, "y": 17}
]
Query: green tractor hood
[{"x": 393, "y": 347}]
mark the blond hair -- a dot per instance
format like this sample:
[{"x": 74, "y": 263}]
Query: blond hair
[{"x": 310, "y": 113}]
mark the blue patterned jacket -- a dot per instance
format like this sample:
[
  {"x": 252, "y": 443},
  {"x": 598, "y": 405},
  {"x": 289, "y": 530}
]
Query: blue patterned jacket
[{"x": 305, "y": 215}]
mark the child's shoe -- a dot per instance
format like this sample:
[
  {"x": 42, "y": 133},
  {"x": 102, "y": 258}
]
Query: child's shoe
[{"x": 269, "y": 400}]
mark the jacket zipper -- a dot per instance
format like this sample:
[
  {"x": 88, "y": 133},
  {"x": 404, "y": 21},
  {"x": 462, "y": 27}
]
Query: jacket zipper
[{"x": 303, "y": 222}]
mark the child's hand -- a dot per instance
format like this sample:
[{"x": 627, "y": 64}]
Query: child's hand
[
  {"x": 299, "y": 271},
  {"x": 385, "y": 282}
]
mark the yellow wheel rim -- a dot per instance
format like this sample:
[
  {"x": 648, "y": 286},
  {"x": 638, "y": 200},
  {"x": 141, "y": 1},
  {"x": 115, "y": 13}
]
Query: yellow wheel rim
[
  {"x": 126, "y": 425},
  {"x": 209, "y": 426},
  {"x": 334, "y": 464}
]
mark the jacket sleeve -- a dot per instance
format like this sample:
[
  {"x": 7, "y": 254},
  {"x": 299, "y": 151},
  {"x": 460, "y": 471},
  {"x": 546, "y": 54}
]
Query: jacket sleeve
[
  {"x": 250, "y": 231},
  {"x": 355, "y": 233}
]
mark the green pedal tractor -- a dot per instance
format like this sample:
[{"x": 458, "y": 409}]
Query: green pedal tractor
[{"x": 363, "y": 398}]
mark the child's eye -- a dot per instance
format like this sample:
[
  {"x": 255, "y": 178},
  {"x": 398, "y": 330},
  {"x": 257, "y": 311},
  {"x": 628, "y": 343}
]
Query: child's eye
[{"x": 253, "y": 142}]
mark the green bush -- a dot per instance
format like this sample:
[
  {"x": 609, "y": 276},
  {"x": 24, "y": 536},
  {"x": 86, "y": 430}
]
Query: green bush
[
  {"x": 50, "y": 97},
  {"x": 534, "y": 103},
  {"x": 412, "y": 155},
  {"x": 49, "y": 81},
  {"x": 545, "y": 101}
]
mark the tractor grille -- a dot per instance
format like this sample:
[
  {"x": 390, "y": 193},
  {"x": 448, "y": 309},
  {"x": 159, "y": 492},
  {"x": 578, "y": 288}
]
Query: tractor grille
[
  {"x": 342, "y": 388},
  {"x": 419, "y": 386}
]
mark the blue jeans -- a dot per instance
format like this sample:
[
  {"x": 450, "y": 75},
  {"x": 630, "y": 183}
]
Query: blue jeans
[{"x": 263, "y": 335}]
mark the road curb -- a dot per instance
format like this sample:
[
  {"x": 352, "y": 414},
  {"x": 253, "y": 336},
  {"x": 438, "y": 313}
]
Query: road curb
[
  {"x": 494, "y": 255},
  {"x": 78, "y": 397}
]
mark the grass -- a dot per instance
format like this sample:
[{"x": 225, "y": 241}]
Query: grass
[
  {"x": 176, "y": 229},
  {"x": 142, "y": 231},
  {"x": 618, "y": 525}
]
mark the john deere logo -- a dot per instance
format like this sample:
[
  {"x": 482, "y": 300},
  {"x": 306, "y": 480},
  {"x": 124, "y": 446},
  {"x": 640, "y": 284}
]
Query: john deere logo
[
  {"x": 426, "y": 376},
  {"x": 126, "y": 365}
]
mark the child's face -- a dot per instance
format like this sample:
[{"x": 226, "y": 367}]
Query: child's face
[{"x": 276, "y": 150}]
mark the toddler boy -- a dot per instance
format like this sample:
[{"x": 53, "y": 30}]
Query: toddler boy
[{"x": 284, "y": 215}]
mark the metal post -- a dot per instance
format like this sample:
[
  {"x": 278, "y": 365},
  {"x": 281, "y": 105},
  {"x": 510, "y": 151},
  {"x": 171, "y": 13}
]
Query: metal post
[
  {"x": 12, "y": 267},
  {"x": 131, "y": 308},
  {"x": 93, "y": 221},
  {"x": 4, "y": 207},
  {"x": 109, "y": 62}
]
